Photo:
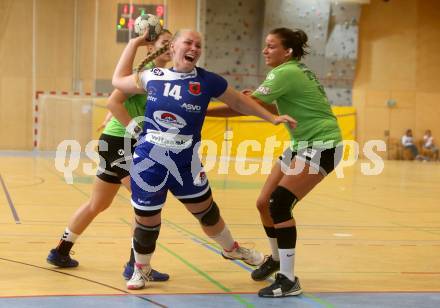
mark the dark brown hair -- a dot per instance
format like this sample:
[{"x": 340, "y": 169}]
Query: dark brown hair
[{"x": 295, "y": 40}]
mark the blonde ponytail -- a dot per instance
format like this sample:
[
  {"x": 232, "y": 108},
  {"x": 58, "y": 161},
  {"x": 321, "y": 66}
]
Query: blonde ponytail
[{"x": 150, "y": 57}]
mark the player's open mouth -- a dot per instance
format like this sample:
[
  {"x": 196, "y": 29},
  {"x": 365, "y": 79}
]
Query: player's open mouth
[{"x": 189, "y": 58}]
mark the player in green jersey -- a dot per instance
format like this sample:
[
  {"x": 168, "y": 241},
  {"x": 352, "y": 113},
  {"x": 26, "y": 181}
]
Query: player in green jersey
[
  {"x": 291, "y": 88},
  {"x": 111, "y": 173}
]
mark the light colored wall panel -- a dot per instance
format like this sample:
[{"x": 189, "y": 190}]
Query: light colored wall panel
[
  {"x": 16, "y": 72},
  {"x": 15, "y": 114},
  {"x": 359, "y": 99},
  {"x": 86, "y": 45},
  {"x": 181, "y": 14},
  {"x": 54, "y": 39},
  {"x": 377, "y": 98},
  {"x": 428, "y": 44},
  {"x": 401, "y": 119},
  {"x": 427, "y": 114},
  {"x": 402, "y": 115},
  {"x": 399, "y": 57},
  {"x": 377, "y": 120}
]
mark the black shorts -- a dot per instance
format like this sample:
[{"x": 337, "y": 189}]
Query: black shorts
[
  {"x": 324, "y": 160},
  {"x": 114, "y": 163}
]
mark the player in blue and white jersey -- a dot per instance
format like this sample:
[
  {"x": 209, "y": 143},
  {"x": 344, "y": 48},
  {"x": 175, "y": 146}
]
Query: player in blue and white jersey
[{"x": 166, "y": 156}]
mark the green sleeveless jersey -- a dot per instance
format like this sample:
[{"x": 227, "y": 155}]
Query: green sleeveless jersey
[
  {"x": 297, "y": 92},
  {"x": 135, "y": 106}
]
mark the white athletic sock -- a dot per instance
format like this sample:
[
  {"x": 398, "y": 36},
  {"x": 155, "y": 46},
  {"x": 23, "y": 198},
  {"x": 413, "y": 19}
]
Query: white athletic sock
[
  {"x": 69, "y": 236},
  {"x": 141, "y": 259},
  {"x": 274, "y": 248},
  {"x": 224, "y": 239},
  {"x": 287, "y": 263}
]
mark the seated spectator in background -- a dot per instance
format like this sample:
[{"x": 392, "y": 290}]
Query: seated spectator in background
[
  {"x": 428, "y": 143},
  {"x": 408, "y": 143}
]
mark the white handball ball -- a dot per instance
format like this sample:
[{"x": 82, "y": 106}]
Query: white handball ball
[{"x": 149, "y": 23}]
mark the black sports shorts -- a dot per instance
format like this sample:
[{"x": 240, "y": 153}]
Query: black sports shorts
[
  {"x": 324, "y": 160},
  {"x": 114, "y": 163}
]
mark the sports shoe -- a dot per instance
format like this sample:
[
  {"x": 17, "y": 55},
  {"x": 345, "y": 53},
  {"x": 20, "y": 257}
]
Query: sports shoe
[
  {"x": 154, "y": 275},
  {"x": 249, "y": 256},
  {"x": 60, "y": 260},
  {"x": 282, "y": 287},
  {"x": 140, "y": 276},
  {"x": 266, "y": 269}
]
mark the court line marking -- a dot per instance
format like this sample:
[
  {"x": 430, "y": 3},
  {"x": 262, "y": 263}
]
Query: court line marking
[
  {"x": 310, "y": 299},
  {"x": 205, "y": 275},
  {"x": 11, "y": 204},
  {"x": 85, "y": 279},
  {"x": 201, "y": 272},
  {"x": 418, "y": 228}
]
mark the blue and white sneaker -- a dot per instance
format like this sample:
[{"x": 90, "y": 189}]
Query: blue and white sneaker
[
  {"x": 57, "y": 259},
  {"x": 152, "y": 276}
]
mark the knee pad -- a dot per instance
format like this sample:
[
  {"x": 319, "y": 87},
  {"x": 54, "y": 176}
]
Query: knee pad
[
  {"x": 146, "y": 213},
  {"x": 144, "y": 238},
  {"x": 281, "y": 204},
  {"x": 210, "y": 216}
]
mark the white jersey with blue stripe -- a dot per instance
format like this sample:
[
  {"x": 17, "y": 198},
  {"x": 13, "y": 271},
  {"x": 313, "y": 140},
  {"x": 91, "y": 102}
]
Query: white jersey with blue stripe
[{"x": 176, "y": 110}]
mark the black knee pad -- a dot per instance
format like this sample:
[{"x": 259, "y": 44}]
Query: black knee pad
[
  {"x": 146, "y": 213},
  {"x": 144, "y": 238},
  {"x": 210, "y": 216},
  {"x": 281, "y": 204}
]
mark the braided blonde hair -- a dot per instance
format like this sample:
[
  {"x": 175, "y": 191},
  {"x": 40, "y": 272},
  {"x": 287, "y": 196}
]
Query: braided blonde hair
[{"x": 150, "y": 57}]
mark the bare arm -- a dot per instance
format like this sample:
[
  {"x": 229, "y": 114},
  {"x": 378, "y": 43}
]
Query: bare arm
[
  {"x": 225, "y": 111},
  {"x": 115, "y": 104},
  {"x": 123, "y": 79},
  {"x": 246, "y": 105},
  {"x": 107, "y": 119}
]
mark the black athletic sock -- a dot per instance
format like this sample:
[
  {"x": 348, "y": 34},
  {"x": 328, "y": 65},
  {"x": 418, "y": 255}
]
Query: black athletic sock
[{"x": 64, "y": 247}]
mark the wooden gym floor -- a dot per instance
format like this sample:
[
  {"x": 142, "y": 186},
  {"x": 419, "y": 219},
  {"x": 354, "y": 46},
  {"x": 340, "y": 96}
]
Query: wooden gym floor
[{"x": 363, "y": 241}]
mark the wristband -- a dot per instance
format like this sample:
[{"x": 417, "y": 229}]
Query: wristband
[{"x": 134, "y": 129}]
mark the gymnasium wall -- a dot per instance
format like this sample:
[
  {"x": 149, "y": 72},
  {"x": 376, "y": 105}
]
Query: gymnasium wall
[
  {"x": 71, "y": 52},
  {"x": 399, "y": 59},
  {"x": 233, "y": 40},
  {"x": 235, "y": 34}
]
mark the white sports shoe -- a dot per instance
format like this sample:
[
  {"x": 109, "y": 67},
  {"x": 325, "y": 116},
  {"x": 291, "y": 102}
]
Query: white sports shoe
[
  {"x": 139, "y": 277},
  {"x": 249, "y": 256}
]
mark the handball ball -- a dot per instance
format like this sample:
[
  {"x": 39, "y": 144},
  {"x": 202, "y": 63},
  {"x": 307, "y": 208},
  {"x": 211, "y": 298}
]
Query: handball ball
[{"x": 149, "y": 23}]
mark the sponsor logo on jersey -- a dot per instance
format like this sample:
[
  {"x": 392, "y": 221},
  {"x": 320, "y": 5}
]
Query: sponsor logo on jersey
[
  {"x": 264, "y": 90},
  {"x": 200, "y": 179},
  {"x": 271, "y": 76},
  {"x": 168, "y": 119},
  {"x": 191, "y": 107},
  {"x": 140, "y": 201},
  {"x": 194, "y": 88},
  {"x": 151, "y": 98},
  {"x": 151, "y": 90},
  {"x": 168, "y": 140},
  {"x": 157, "y": 71}
]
